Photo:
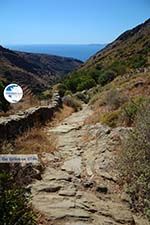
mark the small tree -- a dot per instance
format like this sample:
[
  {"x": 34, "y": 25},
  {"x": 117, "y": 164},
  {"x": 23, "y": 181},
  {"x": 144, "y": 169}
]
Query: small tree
[
  {"x": 86, "y": 84},
  {"x": 106, "y": 77}
]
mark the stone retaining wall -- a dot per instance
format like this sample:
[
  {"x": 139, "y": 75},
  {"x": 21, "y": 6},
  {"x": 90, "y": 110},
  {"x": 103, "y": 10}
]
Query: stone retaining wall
[{"x": 14, "y": 125}]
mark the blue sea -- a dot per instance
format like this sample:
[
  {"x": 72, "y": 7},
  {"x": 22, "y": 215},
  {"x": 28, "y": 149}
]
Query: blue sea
[{"x": 82, "y": 52}]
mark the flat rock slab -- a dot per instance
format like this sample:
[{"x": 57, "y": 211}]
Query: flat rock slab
[
  {"x": 68, "y": 191},
  {"x": 118, "y": 212},
  {"x": 52, "y": 174},
  {"x": 77, "y": 223},
  {"x": 46, "y": 187},
  {"x": 140, "y": 221},
  {"x": 73, "y": 166},
  {"x": 60, "y": 213},
  {"x": 63, "y": 129}
]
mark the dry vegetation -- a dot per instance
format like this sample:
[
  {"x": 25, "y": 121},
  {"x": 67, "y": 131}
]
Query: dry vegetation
[
  {"x": 126, "y": 102},
  {"x": 61, "y": 115},
  {"x": 37, "y": 140},
  {"x": 72, "y": 102},
  {"x": 117, "y": 102},
  {"x": 134, "y": 163},
  {"x": 129, "y": 52}
]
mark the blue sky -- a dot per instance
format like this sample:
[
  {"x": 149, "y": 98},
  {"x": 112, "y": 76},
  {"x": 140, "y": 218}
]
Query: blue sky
[{"x": 68, "y": 21}]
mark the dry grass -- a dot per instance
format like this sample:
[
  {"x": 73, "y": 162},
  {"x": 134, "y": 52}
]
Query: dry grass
[
  {"x": 35, "y": 141},
  {"x": 42, "y": 219},
  {"x": 96, "y": 115},
  {"x": 38, "y": 141},
  {"x": 87, "y": 138},
  {"x": 130, "y": 87},
  {"x": 61, "y": 115},
  {"x": 72, "y": 102}
]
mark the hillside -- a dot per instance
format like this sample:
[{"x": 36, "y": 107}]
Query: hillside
[
  {"x": 131, "y": 49},
  {"x": 37, "y": 71},
  {"x": 129, "y": 52}
]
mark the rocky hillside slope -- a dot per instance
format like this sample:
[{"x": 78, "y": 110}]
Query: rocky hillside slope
[
  {"x": 37, "y": 71},
  {"x": 131, "y": 49},
  {"x": 129, "y": 52}
]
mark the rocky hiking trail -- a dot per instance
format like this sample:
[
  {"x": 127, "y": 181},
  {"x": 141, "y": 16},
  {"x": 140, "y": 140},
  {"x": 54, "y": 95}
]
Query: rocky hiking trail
[{"x": 79, "y": 185}]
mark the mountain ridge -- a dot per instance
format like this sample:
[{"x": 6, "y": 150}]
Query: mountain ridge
[
  {"x": 37, "y": 71},
  {"x": 124, "y": 37},
  {"x": 128, "y": 52}
]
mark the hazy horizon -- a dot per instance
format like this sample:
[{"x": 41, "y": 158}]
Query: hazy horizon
[
  {"x": 77, "y": 51},
  {"x": 10, "y": 44}
]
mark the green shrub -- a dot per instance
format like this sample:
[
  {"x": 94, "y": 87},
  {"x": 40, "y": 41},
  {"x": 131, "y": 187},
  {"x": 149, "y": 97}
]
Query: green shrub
[
  {"x": 110, "y": 118},
  {"x": 86, "y": 79},
  {"x": 86, "y": 84},
  {"x": 130, "y": 109},
  {"x": 106, "y": 77},
  {"x": 138, "y": 61},
  {"x": 94, "y": 74},
  {"x": 135, "y": 161},
  {"x": 72, "y": 82},
  {"x": 79, "y": 81},
  {"x": 68, "y": 92},
  {"x": 14, "y": 203},
  {"x": 118, "y": 67}
]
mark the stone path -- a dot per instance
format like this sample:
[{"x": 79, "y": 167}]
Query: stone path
[{"x": 79, "y": 185}]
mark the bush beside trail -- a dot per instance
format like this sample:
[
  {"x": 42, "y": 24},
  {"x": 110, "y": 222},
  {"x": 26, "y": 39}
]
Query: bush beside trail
[
  {"x": 134, "y": 161},
  {"x": 14, "y": 202}
]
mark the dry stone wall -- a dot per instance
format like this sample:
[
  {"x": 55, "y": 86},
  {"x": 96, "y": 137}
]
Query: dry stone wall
[{"x": 12, "y": 126}]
